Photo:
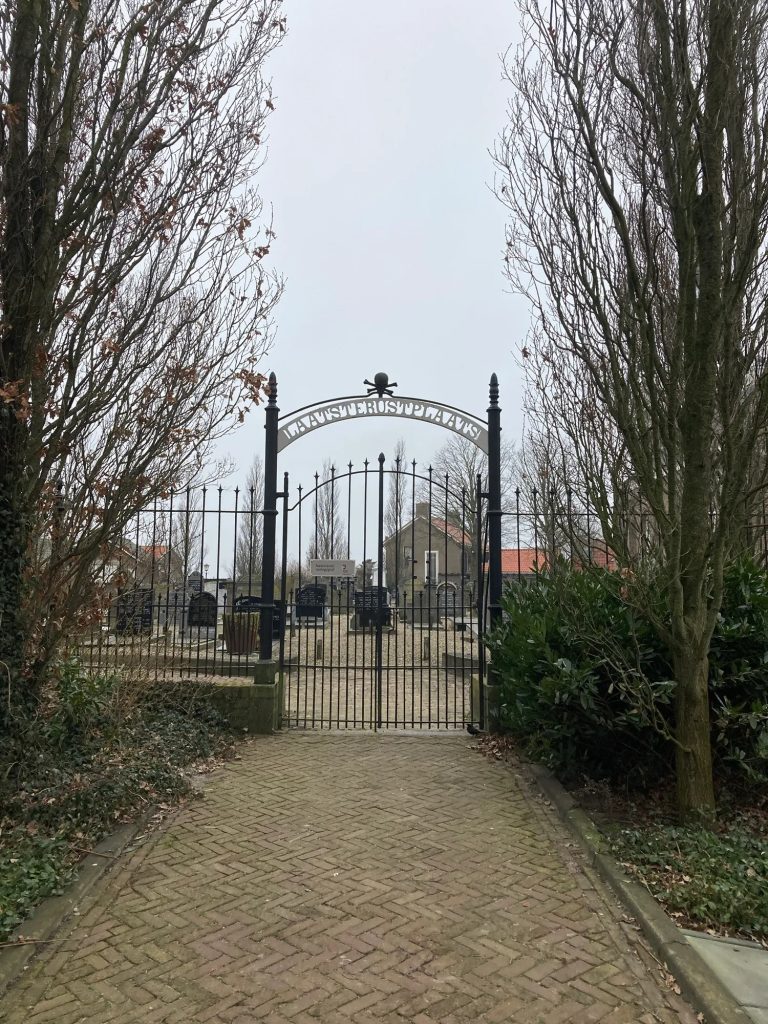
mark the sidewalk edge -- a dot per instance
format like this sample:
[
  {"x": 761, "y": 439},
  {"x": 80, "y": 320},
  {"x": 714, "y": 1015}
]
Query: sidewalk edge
[
  {"x": 698, "y": 983},
  {"x": 52, "y": 912}
]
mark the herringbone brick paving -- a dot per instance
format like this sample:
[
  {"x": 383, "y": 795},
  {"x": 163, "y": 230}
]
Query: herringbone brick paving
[{"x": 350, "y": 879}]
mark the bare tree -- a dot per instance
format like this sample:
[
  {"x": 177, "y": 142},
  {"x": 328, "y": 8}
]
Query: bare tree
[
  {"x": 400, "y": 484},
  {"x": 171, "y": 541},
  {"x": 250, "y": 537},
  {"x": 134, "y": 304},
  {"x": 550, "y": 508},
  {"x": 451, "y": 484},
  {"x": 329, "y": 540},
  {"x": 635, "y": 168}
]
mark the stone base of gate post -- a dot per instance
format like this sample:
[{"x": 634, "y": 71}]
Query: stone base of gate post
[
  {"x": 267, "y": 700},
  {"x": 254, "y": 707},
  {"x": 492, "y": 702}
]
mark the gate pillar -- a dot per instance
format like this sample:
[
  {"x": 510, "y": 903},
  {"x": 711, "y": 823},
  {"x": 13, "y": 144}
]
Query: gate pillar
[
  {"x": 494, "y": 503},
  {"x": 490, "y": 713},
  {"x": 270, "y": 524}
]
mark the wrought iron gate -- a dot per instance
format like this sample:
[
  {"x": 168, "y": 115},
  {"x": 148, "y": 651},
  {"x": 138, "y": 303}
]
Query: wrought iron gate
[{"x": 396, "y": 640}]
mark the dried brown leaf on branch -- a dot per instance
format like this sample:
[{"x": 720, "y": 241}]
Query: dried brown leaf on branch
[{"x": 144, "y": 124}]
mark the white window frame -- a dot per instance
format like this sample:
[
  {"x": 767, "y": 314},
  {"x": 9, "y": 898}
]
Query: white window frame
[{"x": 427, "y": 560}]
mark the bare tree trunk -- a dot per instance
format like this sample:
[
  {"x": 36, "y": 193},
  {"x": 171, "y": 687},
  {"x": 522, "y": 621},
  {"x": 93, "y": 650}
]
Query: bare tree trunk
[
  {"x": 695, "y": 785},
  {"x": 14, "y": 536}
]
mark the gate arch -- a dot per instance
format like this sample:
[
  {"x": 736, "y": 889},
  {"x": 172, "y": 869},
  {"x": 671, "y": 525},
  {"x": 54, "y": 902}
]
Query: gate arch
[{"x": 284, "y": 430}]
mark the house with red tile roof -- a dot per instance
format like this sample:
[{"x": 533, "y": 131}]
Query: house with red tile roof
[
  {"x": 428, "y": 549},
  {"x": 524, "y": 563}
]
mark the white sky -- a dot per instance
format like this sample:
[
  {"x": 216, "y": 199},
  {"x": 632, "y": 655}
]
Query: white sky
[{"x": 388, "y": 235}]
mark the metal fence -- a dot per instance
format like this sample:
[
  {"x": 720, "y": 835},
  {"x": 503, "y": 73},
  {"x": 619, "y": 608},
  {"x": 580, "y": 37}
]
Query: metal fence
[{"x": 185, "y": 565}]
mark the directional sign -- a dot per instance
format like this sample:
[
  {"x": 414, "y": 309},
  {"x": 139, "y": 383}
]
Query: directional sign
[{"x": 342, "y": 567}]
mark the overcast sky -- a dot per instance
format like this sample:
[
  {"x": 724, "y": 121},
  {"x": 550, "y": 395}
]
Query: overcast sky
[{"x": 388, "y": 236}]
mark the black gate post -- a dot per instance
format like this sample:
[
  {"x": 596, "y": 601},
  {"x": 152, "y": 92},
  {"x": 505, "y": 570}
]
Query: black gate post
[
  {"x": 480, "y": 592},
  {"x": 283, "y": 574},
  {"x": 491, "y": 717},
  {"x": 270, "y": 524},
  {"x": 380, "y": 594},
  {"x": 494, "y": 503}
]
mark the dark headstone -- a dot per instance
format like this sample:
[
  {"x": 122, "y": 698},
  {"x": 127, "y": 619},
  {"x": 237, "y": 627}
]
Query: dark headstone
[
  {"x": 310, "y": 601},
  {"x": 367, "y": 608},
  {"x": 195, "y": 582},
  {"x": 202, "y": 612},
  {"x": 134, "y": 611},
  {"x": 251, "y": 603}
]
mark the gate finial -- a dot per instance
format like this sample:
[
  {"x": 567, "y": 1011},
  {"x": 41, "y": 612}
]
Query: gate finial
[
  {"x": 272, "y": 388},
  {"x": 493, "y": 390},
  {"x": 380, "y": 385}
]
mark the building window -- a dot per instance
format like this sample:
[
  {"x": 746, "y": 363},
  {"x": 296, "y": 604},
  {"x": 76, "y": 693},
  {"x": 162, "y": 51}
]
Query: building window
[
  {"x": 407, "y": 555},
  {"x": 431, "y": 567}
]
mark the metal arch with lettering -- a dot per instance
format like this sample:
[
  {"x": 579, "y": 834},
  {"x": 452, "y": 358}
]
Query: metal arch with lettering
[{"x": 303, "y": 421}]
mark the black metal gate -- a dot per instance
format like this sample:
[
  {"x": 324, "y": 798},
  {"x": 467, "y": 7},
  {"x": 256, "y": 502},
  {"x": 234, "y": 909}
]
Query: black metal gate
[{"x": 383, "y": 598}]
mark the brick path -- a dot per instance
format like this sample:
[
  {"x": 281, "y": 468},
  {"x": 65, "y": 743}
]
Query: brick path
[{"x": 350, "y": 879}]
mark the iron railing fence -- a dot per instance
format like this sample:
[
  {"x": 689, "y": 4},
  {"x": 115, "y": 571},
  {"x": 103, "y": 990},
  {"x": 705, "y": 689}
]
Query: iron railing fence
[
  {"x": 541, "y": 533},
  {"x": 167, "y": 586},
  {"x": 170, "y": 586}
]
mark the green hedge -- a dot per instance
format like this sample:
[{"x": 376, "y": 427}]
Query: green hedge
[{"x": 587, "y": 685}]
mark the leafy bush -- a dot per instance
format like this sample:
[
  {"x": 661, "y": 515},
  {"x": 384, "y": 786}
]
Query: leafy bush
[
  {"x": 103, "y": 753},
  {"x": 79, "y": 703},
  {"x": 702, "y": 877},
  {"x": 739, "y": 671},
  {"x": 587, "y": 685}
]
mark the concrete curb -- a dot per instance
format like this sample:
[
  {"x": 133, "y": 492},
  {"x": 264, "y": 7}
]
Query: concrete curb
[
  {"x": 699, "y": 985},
  {"x": 49, "y": 916}
]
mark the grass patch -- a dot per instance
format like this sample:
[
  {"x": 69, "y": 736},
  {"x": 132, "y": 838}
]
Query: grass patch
[
  {"x": 102, "y": 754},
  {"x": 712, "y": 880}
]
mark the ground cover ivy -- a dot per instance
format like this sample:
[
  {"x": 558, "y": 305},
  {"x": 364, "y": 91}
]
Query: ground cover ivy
[
  {"x": 99, "y": 756},
  {"x": 705, "y": 879}
]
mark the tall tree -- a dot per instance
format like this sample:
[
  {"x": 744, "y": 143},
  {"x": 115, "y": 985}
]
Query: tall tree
[
  {"x": 453, "y": 473},
  {"x": 328, "y": 539},
  {"x": 134, "y": 304},
  {"x": 398, "y": 502},
  {"x": 550, "y": 502},
  {"x": 171, "y": 541},
  {"x": 250, "y": 536},
  {"x": 635, "y": 168}
]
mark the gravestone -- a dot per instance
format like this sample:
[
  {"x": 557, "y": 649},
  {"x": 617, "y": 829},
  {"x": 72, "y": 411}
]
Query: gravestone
[
  {"x": 310, "y": 603},
  {"x": 367, "y": 608},
  {"x": 202, "y": 612},
  {"x": 195, "y": 582},
  {"x": 251, "y": 603},
  {"x": 134, "y": 611}
]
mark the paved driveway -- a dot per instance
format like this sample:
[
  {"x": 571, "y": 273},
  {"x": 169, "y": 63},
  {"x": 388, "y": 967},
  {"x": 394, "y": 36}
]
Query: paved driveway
[{"x": 350, "y": 879}]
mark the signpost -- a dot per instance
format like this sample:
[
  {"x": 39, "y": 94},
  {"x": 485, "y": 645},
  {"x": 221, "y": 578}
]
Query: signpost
[{"x": 343, "y": 568}]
